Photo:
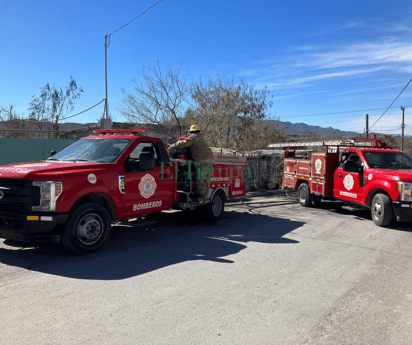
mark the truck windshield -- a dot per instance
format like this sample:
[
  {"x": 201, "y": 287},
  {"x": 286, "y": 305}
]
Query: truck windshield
[
  {"x": 93, "y": 150},
  {"x": 388, "y": 160}
]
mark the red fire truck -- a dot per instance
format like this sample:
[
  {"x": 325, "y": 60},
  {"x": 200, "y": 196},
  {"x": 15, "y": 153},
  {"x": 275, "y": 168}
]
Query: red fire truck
[
  {"x": 76, "y": 194},
  {"x": 363, "y": 172}
]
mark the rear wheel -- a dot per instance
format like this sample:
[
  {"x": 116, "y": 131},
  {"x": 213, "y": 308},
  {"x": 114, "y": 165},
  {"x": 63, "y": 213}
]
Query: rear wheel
[
  {"x": 87, "y": 229},
  {"x": 304, "y": 195},
  {"x": 381, "y": 209},
  {"x": 213, "y": 211}
]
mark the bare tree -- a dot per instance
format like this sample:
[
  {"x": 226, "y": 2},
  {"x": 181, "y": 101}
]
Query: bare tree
[
  {"x": 11, "y": 120},
  {"x": 233, "y": 115},
  {"x": 54, "y": 103},
  {"x": 160, "y": 101}
]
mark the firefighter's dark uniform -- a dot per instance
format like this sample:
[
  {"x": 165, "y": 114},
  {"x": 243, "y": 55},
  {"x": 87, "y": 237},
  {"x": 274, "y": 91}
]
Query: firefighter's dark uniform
[{"x": 203, "y": 156}]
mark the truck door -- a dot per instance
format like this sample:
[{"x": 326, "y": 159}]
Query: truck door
[
  {"x": 145, "y": 191},
  {"x": 348, "y": 181}
]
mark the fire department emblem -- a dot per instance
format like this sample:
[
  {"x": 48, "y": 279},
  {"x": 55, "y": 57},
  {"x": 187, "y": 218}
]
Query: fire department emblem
[
  {"x": 147, "y": 186},
  {"x": 348, "y": 182},
  {"x": 318, "y": 166}
]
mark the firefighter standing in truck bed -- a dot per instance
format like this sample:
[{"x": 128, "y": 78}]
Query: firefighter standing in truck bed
[{"x": 203, "y": 156}]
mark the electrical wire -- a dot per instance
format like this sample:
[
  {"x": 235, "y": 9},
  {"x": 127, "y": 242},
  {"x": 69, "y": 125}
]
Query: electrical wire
[
  {"x": 68, "y": 117},
  {"x": 391, "y": 103},
  {"x": 340, "y": 112},
  {"x": 135, "y": 18}
]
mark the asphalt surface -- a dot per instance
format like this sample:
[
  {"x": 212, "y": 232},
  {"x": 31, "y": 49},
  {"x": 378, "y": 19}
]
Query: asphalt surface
[{"x": 266, "y": 274}]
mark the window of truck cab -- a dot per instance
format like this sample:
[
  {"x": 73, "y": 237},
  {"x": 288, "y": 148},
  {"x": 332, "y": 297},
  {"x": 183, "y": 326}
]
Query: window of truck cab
[
  {"x": 156, "y": 148},
  {"x": 388, "y": 160},
  {"x": 93, "y": 150},
  {"x": 350, "y": 156}
]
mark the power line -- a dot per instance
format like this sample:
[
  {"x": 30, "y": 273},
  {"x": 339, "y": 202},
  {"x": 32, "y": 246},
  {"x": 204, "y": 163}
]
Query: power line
[
  {"x": 135, "y": 18},
  {"x": 340, "y": 112},
  {"x": 68, "y": 117},
  {"x": 107, "y": 40},
  {"x": 392, "y": 103}
]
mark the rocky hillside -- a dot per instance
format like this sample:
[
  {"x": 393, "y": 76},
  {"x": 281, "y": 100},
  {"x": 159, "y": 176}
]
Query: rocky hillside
[{"x": 302, "y": 129}]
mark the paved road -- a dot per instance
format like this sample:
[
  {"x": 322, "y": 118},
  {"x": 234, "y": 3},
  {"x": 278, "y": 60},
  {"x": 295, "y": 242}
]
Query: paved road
[{"x": 270, "y": 275}]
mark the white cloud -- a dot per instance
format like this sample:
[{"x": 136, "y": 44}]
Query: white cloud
[
  {"x": 400, "y": 28},
  {"x": 351, "y": 24},
  {"x": 299, "y": 94},
  {"x": 333, "y": 75},
  {"x": 296, "y": 82},
  {"x": 247, "y": 73},
  {"x": 367, "y": 89},
  {"x": 354, "y": 59},
  {"x": 362, "y": 54}
]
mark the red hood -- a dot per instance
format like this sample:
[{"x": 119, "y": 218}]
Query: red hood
[
  {"x": 45, "y": 170},
  {"x": 398, "y": 175},
  {"x": 404, "y": 175}
]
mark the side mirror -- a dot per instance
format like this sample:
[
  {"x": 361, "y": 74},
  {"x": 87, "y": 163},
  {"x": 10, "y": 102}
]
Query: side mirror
[
  {"x": 53, "y": 153},
  {"x": 146, "y": 161},
  {"x": 350, "y": 166},
  {"x": 131, "y": 165}
]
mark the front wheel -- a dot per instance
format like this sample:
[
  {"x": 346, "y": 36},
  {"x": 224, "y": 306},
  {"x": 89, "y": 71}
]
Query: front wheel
[
  {"x": 304, "y": 195},
  {"x": 381, "y": 209},
  {"x": 213, "y": 211},
  {"x": 87, "y": 229}
]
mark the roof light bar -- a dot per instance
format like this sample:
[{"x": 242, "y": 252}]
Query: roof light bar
[{"x": 118, "y": 131}]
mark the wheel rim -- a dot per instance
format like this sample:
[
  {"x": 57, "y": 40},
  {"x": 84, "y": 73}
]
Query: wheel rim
[
  {"x": 217, "y": 206},
  {"x": 302, "y": 196},
  {"x": 377, "y": 209},
  {"x": 90, "y": 228}
]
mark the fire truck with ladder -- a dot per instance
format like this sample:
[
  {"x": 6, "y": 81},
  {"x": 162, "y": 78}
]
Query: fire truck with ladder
[{"x": 363, "y": 172}]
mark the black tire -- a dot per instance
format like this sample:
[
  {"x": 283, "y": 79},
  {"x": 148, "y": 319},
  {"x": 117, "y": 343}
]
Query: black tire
[
  {"x": 304, "y": 195},
  {"x": 317, "y": 199},
  {"x": 213, "y": 211},
  {"x": 87, "y": 229},
  {"x": 381, "y": 210}
]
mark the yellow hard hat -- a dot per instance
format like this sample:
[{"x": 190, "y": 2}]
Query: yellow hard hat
[{"x": 194, "y": 128}]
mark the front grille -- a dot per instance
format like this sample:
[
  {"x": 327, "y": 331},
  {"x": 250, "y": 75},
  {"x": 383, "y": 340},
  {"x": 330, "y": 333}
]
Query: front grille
[{"x": 18, "y": 195}]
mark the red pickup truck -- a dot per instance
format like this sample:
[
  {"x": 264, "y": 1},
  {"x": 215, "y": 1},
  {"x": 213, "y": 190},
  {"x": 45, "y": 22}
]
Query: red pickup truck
[
  {"x": 363, "y": 172},
  {"x": 112, "y": 176}
]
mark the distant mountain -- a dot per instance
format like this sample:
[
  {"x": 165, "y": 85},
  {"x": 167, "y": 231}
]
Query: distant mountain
[
  {"x": 304, "y": 129},
  {"x": 293, "y": 129}
]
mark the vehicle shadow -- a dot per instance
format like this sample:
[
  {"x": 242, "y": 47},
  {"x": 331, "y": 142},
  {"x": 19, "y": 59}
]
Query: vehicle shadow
[
  {"x": 362, "y": 214},
  {"x": 132, "y": 251}
]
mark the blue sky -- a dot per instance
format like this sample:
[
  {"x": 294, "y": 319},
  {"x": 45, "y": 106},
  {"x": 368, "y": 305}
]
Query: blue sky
[{"x": 316, "y": 57}]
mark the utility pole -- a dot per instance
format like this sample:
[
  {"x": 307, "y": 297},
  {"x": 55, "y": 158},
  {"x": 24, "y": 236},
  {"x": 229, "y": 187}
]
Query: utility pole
[
  {"x": 367, "y": 125},
  {"x": 105, "y": 122},
  {"x": 403, "y": 125},
  {"x": 105, "y": 70}
]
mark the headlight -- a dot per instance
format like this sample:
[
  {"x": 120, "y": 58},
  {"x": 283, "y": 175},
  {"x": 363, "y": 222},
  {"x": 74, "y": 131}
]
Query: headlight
[
  {"x": 49, "y": 193},
  {"x": 405, "y": 190}
]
